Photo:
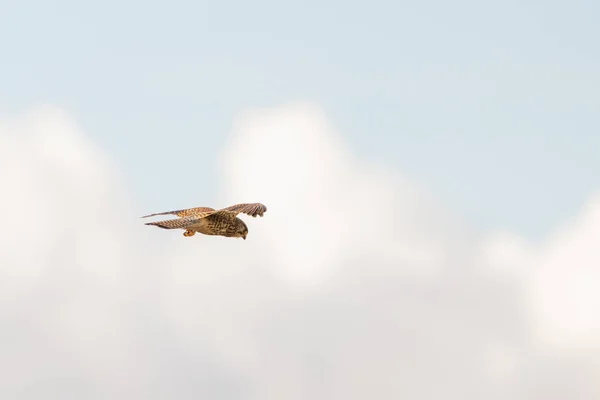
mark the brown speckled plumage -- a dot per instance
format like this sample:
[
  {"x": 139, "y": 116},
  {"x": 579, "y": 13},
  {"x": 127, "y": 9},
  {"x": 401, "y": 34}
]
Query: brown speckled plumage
[{"x": 208, "y": 221}]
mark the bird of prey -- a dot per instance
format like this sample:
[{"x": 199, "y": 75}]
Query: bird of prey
[{"x": 208, "y": 221}]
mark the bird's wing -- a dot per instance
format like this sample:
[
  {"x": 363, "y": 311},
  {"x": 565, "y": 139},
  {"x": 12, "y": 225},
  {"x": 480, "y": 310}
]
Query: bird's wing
[
  {"x": 188, "y": 212},
  {"x": 252, "y": 209},
  {"x": 181, "y": 223},
  {"x": 186, "y": 222}
]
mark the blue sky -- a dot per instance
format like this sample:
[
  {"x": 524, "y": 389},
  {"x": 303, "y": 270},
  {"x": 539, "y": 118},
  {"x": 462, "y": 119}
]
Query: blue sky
[{"x": 493, "y": 106}]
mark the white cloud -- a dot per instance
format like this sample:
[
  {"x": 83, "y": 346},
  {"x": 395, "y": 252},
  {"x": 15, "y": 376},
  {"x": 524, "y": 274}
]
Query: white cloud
[
  {"x": 563, "y": 286},
  {"x": 326, "y": 207},
  {"x": 354, "y": 285}
]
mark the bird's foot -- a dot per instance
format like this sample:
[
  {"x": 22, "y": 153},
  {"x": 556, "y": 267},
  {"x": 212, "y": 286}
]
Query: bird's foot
[{"x": 189, "y": 233}]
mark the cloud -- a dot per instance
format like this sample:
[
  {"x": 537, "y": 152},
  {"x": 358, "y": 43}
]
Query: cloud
[
  {"x": 356, "y": 283},
  {"x": 327, "y": 207},
  {"x": 563, "y": 283}
]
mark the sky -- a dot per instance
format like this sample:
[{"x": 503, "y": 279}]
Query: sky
[
  {"x": 491, "y": 106},
  {"x": 430, "y": 176}
]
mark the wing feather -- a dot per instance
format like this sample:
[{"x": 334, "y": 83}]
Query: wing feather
[
  {"x": 187, "y": 212},
  {"x": 181, "y": 223},
  {"x": 252, "y": 209}
]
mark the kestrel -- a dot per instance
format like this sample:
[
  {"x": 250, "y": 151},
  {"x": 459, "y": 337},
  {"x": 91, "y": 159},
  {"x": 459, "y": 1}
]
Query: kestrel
[{"x": 208, "y": 221}]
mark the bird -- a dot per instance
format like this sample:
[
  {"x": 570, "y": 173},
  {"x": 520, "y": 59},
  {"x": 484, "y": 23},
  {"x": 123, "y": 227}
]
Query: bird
[{"x": 208, "y": 221}]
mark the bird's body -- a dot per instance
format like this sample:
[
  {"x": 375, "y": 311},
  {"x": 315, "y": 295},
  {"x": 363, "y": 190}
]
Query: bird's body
[
  {"x": 208, "y": 221},
  {"x": 217, "y": 225}
]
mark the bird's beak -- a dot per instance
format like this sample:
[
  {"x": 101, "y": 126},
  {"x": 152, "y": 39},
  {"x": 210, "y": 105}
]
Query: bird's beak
[{"x": 244, "y": 237}]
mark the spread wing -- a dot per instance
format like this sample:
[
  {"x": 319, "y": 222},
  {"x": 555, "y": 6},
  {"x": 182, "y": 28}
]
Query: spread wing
[
  {"x": 252, "y": 209},
  {"x": 188, "y": 212},
  {"x": 186, "y": 222},
  {"x": 181, "y": 223}
]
